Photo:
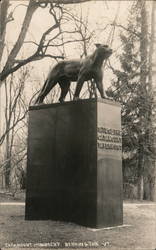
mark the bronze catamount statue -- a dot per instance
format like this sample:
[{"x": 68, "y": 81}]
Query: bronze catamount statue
[{"x": 77, "y": 70}]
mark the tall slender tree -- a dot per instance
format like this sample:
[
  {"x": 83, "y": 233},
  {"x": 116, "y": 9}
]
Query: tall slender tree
[
  {"x": 152, "y": 90},
  {"x": 132, "y": 89}
]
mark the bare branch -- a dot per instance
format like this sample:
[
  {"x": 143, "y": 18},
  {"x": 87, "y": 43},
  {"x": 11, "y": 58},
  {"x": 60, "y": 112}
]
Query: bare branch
[
  {"x": 11, "y": 127},
  {"x": 127, "y": 29},
  {"x": 30, "y": 42},
  {"x": 10, "y": 60},
  {"x": 14, "y": 64},
  {"x": 3, "y": 20},
  {"x": 69, "y": 41}
]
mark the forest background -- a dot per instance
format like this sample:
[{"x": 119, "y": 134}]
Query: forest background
[{"x": 36, "y": 34}]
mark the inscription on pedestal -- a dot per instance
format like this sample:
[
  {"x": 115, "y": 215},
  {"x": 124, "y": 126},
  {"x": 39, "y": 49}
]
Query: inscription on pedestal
[{"x": 109, "y": 139}]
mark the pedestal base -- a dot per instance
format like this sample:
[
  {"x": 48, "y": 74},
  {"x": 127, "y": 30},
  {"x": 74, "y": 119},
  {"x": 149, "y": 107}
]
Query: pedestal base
[{"x": 74, "y": 170}]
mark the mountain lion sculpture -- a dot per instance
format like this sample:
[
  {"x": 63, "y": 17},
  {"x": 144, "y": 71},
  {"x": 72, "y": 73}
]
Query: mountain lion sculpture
[{"x": 77, "y": 71}]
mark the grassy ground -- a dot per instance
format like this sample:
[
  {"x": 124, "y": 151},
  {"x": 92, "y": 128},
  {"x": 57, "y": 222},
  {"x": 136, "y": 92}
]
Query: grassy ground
[{"x": 139, "y": 231}]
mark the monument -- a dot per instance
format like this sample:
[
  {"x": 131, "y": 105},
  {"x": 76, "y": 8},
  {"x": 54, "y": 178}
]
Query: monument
[{"x": 74, "y": 170}]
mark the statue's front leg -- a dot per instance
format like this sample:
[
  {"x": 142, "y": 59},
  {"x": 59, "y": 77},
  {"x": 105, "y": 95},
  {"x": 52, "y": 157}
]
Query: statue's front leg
[
  {"x": 99, "y": 83},
  {"x": 80, "y": 82}
]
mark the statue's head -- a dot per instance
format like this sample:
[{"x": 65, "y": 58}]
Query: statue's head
[{"x": 104, "y": 50}]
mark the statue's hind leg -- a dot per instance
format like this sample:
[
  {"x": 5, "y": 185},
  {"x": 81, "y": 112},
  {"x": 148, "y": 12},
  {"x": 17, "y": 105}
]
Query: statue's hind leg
[
  {"x": 64, "y": 84},
  {"x": 45, "y": 90}
]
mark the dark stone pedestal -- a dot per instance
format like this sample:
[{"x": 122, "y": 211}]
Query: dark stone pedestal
[{"x": 74, "y": 170}]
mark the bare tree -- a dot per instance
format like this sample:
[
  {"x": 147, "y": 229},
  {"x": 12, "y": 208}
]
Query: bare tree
[
  {"x": 15, "y": 111},
  {"x": 57, "y": 12}
]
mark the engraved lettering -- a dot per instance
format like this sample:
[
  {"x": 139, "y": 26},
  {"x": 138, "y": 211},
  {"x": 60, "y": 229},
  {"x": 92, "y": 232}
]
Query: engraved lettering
[{"x": 109, "y": 139}]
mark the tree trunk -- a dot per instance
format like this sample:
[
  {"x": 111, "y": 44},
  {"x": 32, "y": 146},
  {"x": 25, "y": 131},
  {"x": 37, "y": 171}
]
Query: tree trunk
[
  {"x": 153, "y": 184},
  {"x": 7, "y": 169},
  {"x": 141, "y": 188},
  {"x": 14, "y": 52},
  {"x": 3, "y": 20},
  {"x": 143, "y": 92},
  {"x": 152, "y": 89},
  {"x": 140, "y": 170}
]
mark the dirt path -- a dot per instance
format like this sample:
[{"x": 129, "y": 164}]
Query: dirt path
[{"x": 138, "y": 232}]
